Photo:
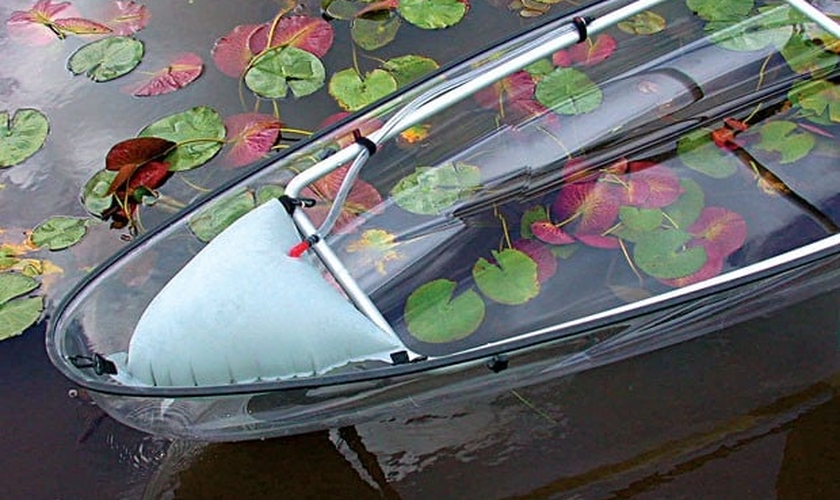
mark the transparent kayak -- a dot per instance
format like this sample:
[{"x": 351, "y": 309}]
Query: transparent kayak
[{"x": 555, "y": 203}]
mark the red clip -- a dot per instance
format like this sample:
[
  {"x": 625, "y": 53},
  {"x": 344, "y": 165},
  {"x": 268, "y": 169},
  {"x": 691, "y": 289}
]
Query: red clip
[{"x": 299, "y": 249}]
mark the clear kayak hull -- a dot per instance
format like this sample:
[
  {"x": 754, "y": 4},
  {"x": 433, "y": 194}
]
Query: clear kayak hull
[{"x": 533, "y": 211}]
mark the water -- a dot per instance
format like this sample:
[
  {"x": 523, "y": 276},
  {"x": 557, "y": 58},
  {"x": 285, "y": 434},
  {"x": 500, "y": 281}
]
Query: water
[{"x": 749, "y": 412}]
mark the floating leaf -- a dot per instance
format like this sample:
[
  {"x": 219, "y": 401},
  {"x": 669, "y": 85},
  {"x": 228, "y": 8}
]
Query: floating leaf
[
  {"x": 406, "y": 69},
  {"x": 269, "y": 192},
  {"x": 568, "y": 91},
  {"x": 433, "y": 14},
  {"x": 434, "y": 314},
  {"x": 36, "y": 25},
  {"x": 516, "y": 87},
  {"x": 57, "y": 233},
  {"x": 97, "y": 195},
  {"x": 640, "y": 219},
  {"x": 511, "y": 279},
  {"x": 375, "y": 30},
  {"x": 22, "y": 135},
  {"x": 664, "y": 254},
  {"x": 312, "y": 34},
  {"x": 183, "y": 71},
  {"x": 652, "y": 185},
  {"x": 354, "y": 93},
  {"x": 127, "y": 18},
  {"x": 785, "y": 138},
  {"x": 588, "y": 53},
  {"x": 211, "y": 221},
  {"x": 378, "y": 246},
  {"x": 715, "y": 10},
  {"x": 820, "y": 98},
  {"x": 199, "y": 134},
  {"x": 541, "y": 254},
  {"x": 772, "y": 27},
  {"x": 720, "y": 231},
  {"x": 106, "y": 59},
  {"x": 251, "y": 135},
  {"x": 340, "y": 9},
  {"x": 80, "y": 26},
  {"x": 14, "y": 285},
  {"x": 550, "y": 233},
  {"x": 685, "y": 210},
  {"x": 18, "y": 315},
  {"x": 363, "y": 197},
  {"x": 699, "y": 152},
  {"x": 148, "y": 177},
  {"x": 804, "y": 55},
  {"x": 593, "y": 206},
  {"x": 430, "y": 190},
  {"x": 643, "y": 23},
  {"x": 277, "y": 70},
  {"x": 534, "y": 214},
  {"x": 130, "y": 154},
  {"x": 232, "y": 52}
]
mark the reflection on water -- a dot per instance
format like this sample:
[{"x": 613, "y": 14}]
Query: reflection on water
[{"x": 750, "y": 412}]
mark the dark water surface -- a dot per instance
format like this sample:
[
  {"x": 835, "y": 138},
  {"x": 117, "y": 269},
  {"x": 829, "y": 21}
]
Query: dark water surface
[{"x": 748, "y": 412}]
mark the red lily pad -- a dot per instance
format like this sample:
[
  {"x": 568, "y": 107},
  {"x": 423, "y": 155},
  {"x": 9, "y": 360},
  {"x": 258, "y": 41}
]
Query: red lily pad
[
  {"x": 33, "y": 26},
  {"x": 586, "y": 53},
  {"x": 232, "y": 52},
  {"x": 126, "y": 18},
  {"x": 152, "y": 175},
  {"x": 363, "y": 197},
  {"x": 128, "y": 156},
  {"x": 549, "y": 233},
  {"x": 720, "y": 231},
  {"x": 80, "y": 26},
  {"x": 251, "y": 136},
  {"x": 539, "y": 253},
  {"x": 518, "y": 86},
  {"x": 593, "y": 206},
  {"x": 652, "y": 185},
  {"x": 183, "y": 71},
  {"x": 311, "y": 34}
]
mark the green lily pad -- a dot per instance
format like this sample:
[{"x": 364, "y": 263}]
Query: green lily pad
[
  {"x": 820, "y": 99},
  {"x": 408, "y": 68},
  {"x": 277, "y": 70},
  {"x": 22, "y": 136},
  {"x": 269, "y": 192},
  {"x": 715, "y": 10},
  {"x": 340, "y": 9},
  {"x": 804, "y": 55},
  {"x": 433, "y": 314},
  {"x": 532, "y": 215},
  {"x": 376, "y": 29},
  {"x": 663, "y": 254},
  {"x": 59, "y": 232},
  {"x": 354, "y": 92},
  {"x": 568, "y": 91},
  {"x": 773, "y": 28},
  {"x": 106, "y": 59},
  {"x": 699, "y": 152},
  {"x": 540, "y": 68},
  {"x": 643, "y": 23},
  {"x": 210, "y": 222},
  {"x": 198, "y": 132},
  {"x": 96, "y": 195},
  {"x": 430, "y": 190},
  {"x": 686, "y": 209},
  {"x": 511, "y": 280},
  {"x": 640, "y": 219},
  {"x": 433, "y": 14},
  {"x": 14, "y": 285},
  {"x": 17, "y": 314},
  {"x": 785, "y": 138}
]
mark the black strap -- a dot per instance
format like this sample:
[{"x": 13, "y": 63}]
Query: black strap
[
  {"x": 364, "y": 142},
  {"x": 290, "y": 204},
  {"x": 580, "y": 24}
]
